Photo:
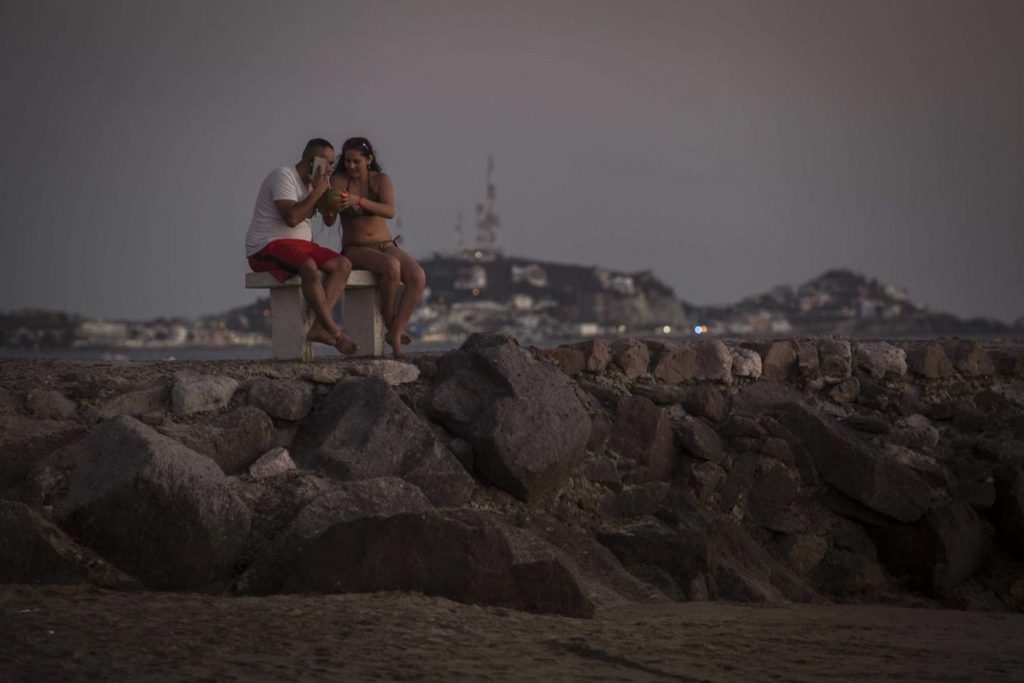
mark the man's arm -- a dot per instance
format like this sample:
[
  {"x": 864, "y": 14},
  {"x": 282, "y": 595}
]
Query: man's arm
[{"x": 294, "y": 212}]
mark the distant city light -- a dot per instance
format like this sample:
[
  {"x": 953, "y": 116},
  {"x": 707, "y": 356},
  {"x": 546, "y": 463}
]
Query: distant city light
[
  {"x": 622, "y": 329},
  {"x": 666, "y": 330},
  {"x": 476, "y": 291},
  {"x": 700, "y": 329},
  {"x": 478, "y": 255}
]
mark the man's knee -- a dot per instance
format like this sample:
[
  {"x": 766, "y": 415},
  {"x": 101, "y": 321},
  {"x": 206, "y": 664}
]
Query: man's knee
[
  {"x": 308, "y": 268},
  {"x": 340, "y": 266}
]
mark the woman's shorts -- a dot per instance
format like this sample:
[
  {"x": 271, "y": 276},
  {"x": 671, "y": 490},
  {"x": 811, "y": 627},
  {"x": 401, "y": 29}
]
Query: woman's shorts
[{"x": 282, "y": 258}]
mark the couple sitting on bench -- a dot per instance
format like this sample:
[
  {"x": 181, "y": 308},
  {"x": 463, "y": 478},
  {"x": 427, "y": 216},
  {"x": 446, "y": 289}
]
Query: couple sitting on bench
[{"x": 280, "y": 237}]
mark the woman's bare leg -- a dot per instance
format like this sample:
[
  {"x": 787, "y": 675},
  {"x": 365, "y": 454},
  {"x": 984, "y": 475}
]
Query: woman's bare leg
[
  {"x": 389, "y": 271},
  {"x": 415, "y": 281}
]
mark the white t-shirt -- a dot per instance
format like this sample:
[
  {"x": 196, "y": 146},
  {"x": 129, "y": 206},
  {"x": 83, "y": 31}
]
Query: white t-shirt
[{"x": 267, "y": 224}]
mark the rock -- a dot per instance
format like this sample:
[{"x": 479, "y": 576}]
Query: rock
[
  {"x": 878, "y": 482},
  {"x": 48, "y": 404},
  {"x": 807, "y": 359},
  {"x": 662, "y": 394},
  {"x": 567, "y": 359},
  {"x": 930, "y": 361},
  {"x": 596, "y": 355},
  {"x": 705, "y": 558},
  {"x": 916, "y": 432},
  {"x": 881, "y": 359},
  {"x": 1008, "y": 361},
  {"x": 778, "y": 448},
  {"x": 701, "y": 441},
  {"x": 972, "y": 360},
  {"x": 26, "y": 442},
  {"x": 842, "y": 572},
  {"x": 458, "y": 555},
  {"x": 834, "y": 359},
  {"x": 940, "y": 552},
  {"x": 846, "y": 391},
  {"x": 603, "y": 471},
  {"x": 148, "y": 400},
  {"x": 676, "y": 364},
  {"x": 643, "y": 432},
  {"x": 285, "y": 399},
  {"x": 737, "y": 426},
  {"x": 523, "y": 418},
  {"x": 779, "y": 362},
  {"x": 874, "y": 423},
  {"x": 776, "y": 487},
  {"x": 713, "y": 361},
  {"x": 803, "y": 552},
  {"x": 154, "y": 508},
  {"x": 272, "y": 463},
  {"x": 634, "y": 501},
  {"x": 631, "y": 357},
  {"x": 707, "y": 401},
  {"x": 1008, "y": 512},
  {"x": 232, "y": 440},
  {"x": 704, "y": 478},
  {"x": 392, "y": 372},
  {"x": 194, "y": 393},
  {"x": 343, "y": 502},
  {"x": 364, "y": 430},
  {"x": 35, "y": 551},
  {"x": 746, "y": 363}
]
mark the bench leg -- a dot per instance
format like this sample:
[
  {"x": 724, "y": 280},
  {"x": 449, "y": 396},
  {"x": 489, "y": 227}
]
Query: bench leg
[
  {"x": 290, "y": 320},
  {"x": 363, "y": 321}
]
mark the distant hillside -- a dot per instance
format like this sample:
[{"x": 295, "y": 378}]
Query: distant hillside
[
  {"x": 570, "y": 292},
  {"x": 844, "y": 302}
]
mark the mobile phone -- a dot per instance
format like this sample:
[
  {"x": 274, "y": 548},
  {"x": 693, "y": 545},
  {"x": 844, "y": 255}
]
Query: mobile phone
[{"x": 319, "y": 165}]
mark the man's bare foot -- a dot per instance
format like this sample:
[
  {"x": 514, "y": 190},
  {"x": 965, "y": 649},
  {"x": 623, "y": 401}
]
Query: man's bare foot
[
  {"x": 338, "y": 341},
  {"x": 396, "y": 346}
]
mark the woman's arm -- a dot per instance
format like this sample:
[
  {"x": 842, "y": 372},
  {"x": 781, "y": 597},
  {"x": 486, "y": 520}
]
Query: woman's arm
[{"x": 385, "y": 208}]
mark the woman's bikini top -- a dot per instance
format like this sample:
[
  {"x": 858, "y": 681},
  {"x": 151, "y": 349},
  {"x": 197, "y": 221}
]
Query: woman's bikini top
[{"x": 371, "y": 194}]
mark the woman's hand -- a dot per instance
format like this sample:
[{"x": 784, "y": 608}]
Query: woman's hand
[{"x": 349, "y": 201}]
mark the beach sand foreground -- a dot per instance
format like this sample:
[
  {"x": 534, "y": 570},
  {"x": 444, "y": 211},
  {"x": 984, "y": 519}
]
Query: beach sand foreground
[{"x": 57, "y": 633}]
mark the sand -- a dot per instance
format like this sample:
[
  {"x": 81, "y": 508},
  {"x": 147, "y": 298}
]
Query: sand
[{"x": 84, "y": 633}]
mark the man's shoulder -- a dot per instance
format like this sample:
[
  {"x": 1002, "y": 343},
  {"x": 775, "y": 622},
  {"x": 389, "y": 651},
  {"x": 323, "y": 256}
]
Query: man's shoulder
[{"x": 282, "y": 173}]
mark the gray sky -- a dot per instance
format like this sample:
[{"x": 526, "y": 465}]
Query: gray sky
[{"x": 727, "y": 146}]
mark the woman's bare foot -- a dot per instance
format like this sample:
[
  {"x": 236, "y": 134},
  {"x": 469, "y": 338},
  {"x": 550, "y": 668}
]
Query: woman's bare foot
[
  {"x": 396, "y": 345},
  {"x": 338, "y": 341}
]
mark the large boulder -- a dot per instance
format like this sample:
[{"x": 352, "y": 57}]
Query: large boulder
[
  {"x": 643, "y": 432},
  {"x": 154, "y": 508},
  {"x": 714, "y": 362},
  {"x": 50, "y": 404},
  {"x": 460, "y": 555},
  {"x": 746, "y": 363},
  {"x": 631, "y": 357},
  {"x": 343, "y": 502},
  {"x": 194, "y": 393},
  {"x": 929, "y": 361},
  {"x": 285, "y": 399},
  {"x": 701, "y": 558},
  {"x": 834, "y": 359},
  {"x": 364, "y": 430},
  {"x": 527, "y": 427},
  {"x": 881, "y": 359},
  {"x": 941, "y": 551},
  {"x": 879, "y": 482},
  {"x": 34, "y": 550},
  {"x": 1009, "y": 508},
  {"x": 233, "y": 440}
]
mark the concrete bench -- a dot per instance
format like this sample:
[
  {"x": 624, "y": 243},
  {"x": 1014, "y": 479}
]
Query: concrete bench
[{"x": 291, "y": 317}]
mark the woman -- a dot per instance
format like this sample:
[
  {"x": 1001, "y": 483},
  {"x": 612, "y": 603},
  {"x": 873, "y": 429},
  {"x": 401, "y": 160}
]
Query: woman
[{"x": 367, "y": 198}]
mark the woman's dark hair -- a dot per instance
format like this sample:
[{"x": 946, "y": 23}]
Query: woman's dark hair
[{"x": 363, "y": 146}]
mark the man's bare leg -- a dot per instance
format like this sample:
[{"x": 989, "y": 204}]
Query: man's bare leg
[
  {"x": 315, "y": 294},
  {"x": 415, "y": 281}
]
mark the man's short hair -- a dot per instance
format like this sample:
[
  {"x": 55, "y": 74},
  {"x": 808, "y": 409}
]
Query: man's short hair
[{"x": 314, "y": 146}]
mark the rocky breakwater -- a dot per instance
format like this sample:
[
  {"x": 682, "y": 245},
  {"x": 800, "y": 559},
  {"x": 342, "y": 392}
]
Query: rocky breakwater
[{"x": 556, "y": 480}]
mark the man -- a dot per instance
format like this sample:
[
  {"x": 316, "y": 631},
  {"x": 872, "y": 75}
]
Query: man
[{"x": 280, "y": 239}]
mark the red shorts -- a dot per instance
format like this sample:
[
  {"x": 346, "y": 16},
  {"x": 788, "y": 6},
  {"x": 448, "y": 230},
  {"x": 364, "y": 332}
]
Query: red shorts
[{"x": 282, "y": 258}]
